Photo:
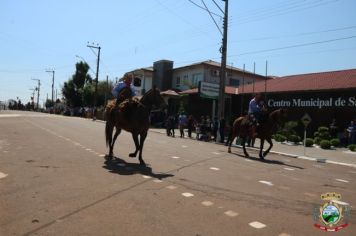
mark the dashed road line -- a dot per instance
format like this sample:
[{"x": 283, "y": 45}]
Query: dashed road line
[
  {"x": 157, "y": 181},
  {"x": 3, "y": 175},
  {"x": 216, "y": 153},
  {"x": 214, "y": 168},
  {"x": 342, "y": 180},
  {"x": 284, "y": 234},
  {"x": 340, "y": 202},
  {"x": 101, "y": 155},
  {"x": 184, "y": 146},
  {"x": 207, "y": 203},
  {"x": 257, "y": 225},
  {"x": 231, "y": 213},
  {"x": 146, "y": 177},
  {"x": 171, "y": 187},
  {"x": 175, "y": 157},
  {"x": 286, "y": 168},
  {"x": 266, "y": 182},
  {"x": 187, "y": 194}
]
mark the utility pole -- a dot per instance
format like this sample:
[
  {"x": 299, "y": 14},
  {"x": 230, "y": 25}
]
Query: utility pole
[
  {"x": 223, "y": 64},
  {"x": 38, "y": 92},
  {"x": 97, "y": 75},
  {"x": 52, "y": 71},
  {"x": 33, "y": 97}
]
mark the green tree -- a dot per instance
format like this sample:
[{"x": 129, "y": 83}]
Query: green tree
[{"x": 77, "y": 89}]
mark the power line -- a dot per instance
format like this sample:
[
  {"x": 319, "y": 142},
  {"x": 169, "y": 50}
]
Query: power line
[
  {"x": 293, "y": 46},
  {"x": 216, "y": 24},
  {"x": 217, "y": 5},
  {"x": 280, "y": 12},
  {"x": 203, "y": 8}
]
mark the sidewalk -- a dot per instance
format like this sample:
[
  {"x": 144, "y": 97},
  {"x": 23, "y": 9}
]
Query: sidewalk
[{"x": 341, "y": 156}]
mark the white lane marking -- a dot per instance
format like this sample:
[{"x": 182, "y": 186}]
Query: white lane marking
[
  {"x": 101, "y": 155},
  {"x": 266, "y": 182},
  {"x": 188, "y": 194},
  {"x": 68, "y": 139},
  {"x": 284, "y": 234},
  {"x": 214, "y": 168},
  {"x": 231, "y": 213},
  {"x": 257, "y": 225},
  {"x": 340, "y": 202},
  {"x": 248, "y": 160},
  {"x": 157, "y": 181},
  {"x": 171, "y": 187},
  {"x": 184, "y": 146},
  {"x": 8, "y": 115},
  {"x": 216, "y": 153},
  {"x": 146, "y": 177},
  {"x": 76, "y": 144},
  {"x": 88, "y": 149},
  {"x": 3, "y": 175},
  {"x": 207, "y": 203},
  {"x": 342, "y": 180},
  {"x": 175, "y": 157},
  {"x": 286, "y": 168}
]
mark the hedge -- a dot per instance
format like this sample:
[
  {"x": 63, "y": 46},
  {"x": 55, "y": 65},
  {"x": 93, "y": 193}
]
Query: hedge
[
  {"x": 280, "y": 138},
  {"x": 335, "y": 142},
  {"x": 325, "y": 144},
  {"x": 309, "y": 142},
  {"x": 352, "y": 147}
]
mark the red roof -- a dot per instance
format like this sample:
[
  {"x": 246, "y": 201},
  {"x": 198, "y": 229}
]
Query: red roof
[
  {"x": 345, "y": 79},
  {"x": 228, "y": 90}
]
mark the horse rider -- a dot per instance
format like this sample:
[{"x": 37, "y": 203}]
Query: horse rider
[
  {"x": 256, "y": 110},
  {"x": 118, "y": 90}
]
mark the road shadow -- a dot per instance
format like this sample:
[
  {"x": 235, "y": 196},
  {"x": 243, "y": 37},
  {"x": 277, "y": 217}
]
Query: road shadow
[
  {"x": 267, "y": 161},
  {"x": 121, "y": 167}
]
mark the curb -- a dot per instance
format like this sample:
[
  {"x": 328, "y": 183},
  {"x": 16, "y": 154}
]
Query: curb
[{"x": 320, "y": 160}]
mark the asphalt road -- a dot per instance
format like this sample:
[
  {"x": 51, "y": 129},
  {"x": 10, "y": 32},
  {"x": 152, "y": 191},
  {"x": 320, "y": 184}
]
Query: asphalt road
[{"x": 54, "y": 180}]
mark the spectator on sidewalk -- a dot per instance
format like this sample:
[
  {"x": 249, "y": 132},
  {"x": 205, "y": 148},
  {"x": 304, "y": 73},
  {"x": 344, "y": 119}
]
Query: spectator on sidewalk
[
  {"x": 215, "y": 128},
  {"x": 352, "y": 132},
  {"x": 182, "y": 122},
  {"x": 333, "y": 128},
  {"x": 190, "y": 125}
]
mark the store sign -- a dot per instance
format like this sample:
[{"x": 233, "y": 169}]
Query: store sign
[
  {"x": 209, "y": 90},
  {"x": 313, "y": 102}
]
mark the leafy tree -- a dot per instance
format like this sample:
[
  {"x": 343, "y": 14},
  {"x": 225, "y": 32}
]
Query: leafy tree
[
  {"x": 49, "y": 103},
  {"x": 73, "y": 89}
]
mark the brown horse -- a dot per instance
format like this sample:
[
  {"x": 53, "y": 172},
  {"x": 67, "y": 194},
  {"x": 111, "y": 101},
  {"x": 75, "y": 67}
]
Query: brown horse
[
  {"x": 136, "y": 121},
  {"x": 242, "y": 128}
]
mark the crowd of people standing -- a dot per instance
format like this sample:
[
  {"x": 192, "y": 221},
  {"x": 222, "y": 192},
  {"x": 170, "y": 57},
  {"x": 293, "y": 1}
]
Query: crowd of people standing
[{"x": 206, "y": 129}]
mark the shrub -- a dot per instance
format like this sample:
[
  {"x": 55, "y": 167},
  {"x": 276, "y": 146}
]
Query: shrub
[
  {"x": 280, "y": 138},
  {"x": 317, "y": 140},
  {"x": 325, "y": 144},
  {"x": 294, "y": 138},
  {"x": 309, "y": 142},
  {"x": 335, "y": 142},
  {"x": 323, "y": 133},
  {"x": 316, "y": 134},
  {"x": 352, "y": 147}
]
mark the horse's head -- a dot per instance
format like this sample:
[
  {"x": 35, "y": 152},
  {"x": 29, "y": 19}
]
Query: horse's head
[
  {"x": 153, "y": 98},
  {"x": 279, "y": 116}
]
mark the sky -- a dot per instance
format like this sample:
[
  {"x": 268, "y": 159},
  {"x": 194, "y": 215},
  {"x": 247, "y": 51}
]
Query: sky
[{"x": 294, "y": 36}]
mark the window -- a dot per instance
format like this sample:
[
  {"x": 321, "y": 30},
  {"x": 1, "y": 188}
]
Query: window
[
  {"x": 137, "y": 82},
  {"x": 178, "y": 81},
  {"x": 196, "y": 78},
  {"x": 234, "y": 82}
]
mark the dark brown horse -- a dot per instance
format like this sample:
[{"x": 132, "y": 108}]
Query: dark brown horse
[
  {"x": 242, "y": 128},
  {"x": 136, "y": 121}
]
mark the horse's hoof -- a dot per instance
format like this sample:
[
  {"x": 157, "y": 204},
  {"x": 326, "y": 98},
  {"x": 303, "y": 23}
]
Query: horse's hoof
[
  {"x": 132, "y": 155},
  {"x": 108, "y": 157},
  {"x": 229, "y": 151}
]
